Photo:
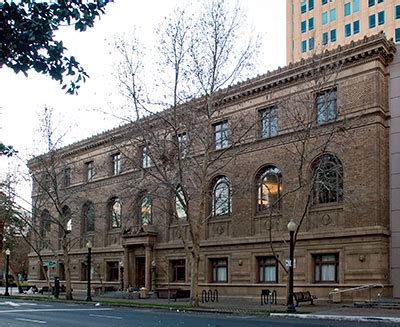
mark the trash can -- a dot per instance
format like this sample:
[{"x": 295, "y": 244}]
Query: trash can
[
  {"x": 56, "y": 290},
  {"x": 336, "y": 296}
]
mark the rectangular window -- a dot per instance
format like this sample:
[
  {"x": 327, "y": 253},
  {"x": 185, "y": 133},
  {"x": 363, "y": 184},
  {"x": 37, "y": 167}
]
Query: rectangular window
[
  {"x": 380, "y": 1},
  {"x": 371, "y": 21},
  {"x": 397, "y": 35},
  {"x": 268, "y": 270},
  {"x": 269, "y": 122},
  {"x": 116, "y": 163},
  {"x": 89, "y": 168},
  {"x": 178, "y": 270},
  {"x": 333, "y": 35},
  {"x": 325, "y": 38},
  {"x": 347, "y": 30},
  {"x": 324, "y": 2},
  {"x": 113, "y": 271},
  {"x": 67, "y": 177},
  {"x": 310, "y": 4},
  {"x": 381, "y": 17},
  {"x": 310, "y": 47},
  {"x": 221, "y": 135},
  {"x": 371, "y": 3},
  {"x": 45, "y": 181},
  {"x": 356, "y": 27},
  {"x": 146, "y": 159},
  {"x": 303, "y": 46},
  {"x": 311, "y": 23},
  {"x": 397, "y": 12},
  {"x": 303, "y": 6},
  {"x": 182, "y": 144},
  {"x": 332, "y": 14},
  {"x": 83, "y": 271},
  {"x": 324, "y": 18},
  {"x": 326, "y": 268},
  {"x": 347, "y": 9},
  {"x": 356, "y": 6},
  {"x": 326, "y": 106},
  {"x": 303, "y": 26},
  {"x": 219, "y": 268}
]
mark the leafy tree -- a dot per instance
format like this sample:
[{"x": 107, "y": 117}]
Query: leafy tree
[
  {"x": 27, "y": 39},
  {"x": 7, "y": 150}
]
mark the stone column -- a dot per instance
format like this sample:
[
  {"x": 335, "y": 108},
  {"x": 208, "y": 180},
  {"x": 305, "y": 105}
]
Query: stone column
[
  {"x": 148, "y": 266},
  {"x": 126, "y": 268}
]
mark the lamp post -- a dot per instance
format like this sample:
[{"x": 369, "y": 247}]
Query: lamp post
[
  {"x": 89, "y": 268},
  {"x": 291, "y": 226},
  {"x": 8, "y": 252}
]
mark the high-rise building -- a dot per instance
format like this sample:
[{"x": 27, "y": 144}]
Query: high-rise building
[{"x": 313, "y": 25}]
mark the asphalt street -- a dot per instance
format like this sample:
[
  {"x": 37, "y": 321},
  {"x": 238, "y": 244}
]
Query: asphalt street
[{"x": 30, "y": 313}]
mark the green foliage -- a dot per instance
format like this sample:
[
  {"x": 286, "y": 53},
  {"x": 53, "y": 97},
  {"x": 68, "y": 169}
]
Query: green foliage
[
  {"x": 27, "y": 38},
  {"x": 7, "y": 150}
]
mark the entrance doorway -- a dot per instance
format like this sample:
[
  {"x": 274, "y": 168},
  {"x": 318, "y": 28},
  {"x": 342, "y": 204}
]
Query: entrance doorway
[{"x": 140, "y": 271}]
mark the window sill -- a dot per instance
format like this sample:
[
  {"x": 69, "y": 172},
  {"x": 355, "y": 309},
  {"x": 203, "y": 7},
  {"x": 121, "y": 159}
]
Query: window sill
[
  {"x": 217, "y": 219},
  {"x": 265, "y": 214},
  {"x": 326, "y": 206}
]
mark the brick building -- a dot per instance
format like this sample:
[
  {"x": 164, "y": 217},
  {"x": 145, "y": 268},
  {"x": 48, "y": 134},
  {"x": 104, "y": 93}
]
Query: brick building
[{"x": 343, "y": 240}]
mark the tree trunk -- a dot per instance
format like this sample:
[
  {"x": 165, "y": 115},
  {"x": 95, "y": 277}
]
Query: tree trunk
[
  {"x": 194, "y": 274},
  {"x": 67, "y": 269}
]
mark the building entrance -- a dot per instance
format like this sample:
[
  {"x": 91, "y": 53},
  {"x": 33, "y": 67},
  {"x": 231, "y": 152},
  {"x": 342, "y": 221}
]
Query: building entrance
[{"x": 140, "y": 271}]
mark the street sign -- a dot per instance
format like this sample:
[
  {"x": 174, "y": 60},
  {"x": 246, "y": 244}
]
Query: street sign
[{"x": 288, "y": 263}]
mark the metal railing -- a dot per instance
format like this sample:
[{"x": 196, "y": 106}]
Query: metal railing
[{"x": 358, "y": 288}]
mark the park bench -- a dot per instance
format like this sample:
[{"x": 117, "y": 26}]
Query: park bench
[{"x": 303, "y": 297}]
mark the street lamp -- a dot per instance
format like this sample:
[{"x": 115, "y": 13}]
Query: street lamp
[
  {"x": 8, "y": 252},
  {"x": 89, "y": 268},
  {"x": 291, "y": 226}
]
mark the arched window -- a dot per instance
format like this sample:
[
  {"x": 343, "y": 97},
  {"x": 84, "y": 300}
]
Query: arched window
[
  {"x": 146, "y": 210},
  {"x": 221, "y": 197},
  {"x": 328, "y": 180},
  {"x": 89, "y": 217},
  {"x": 180, "y": 203},
  {"x": 45, "y": 223},
  {"x": 67, "y": 218},
  {"x": 269, "y": 189},
  {"x": 115, "y": 212}
]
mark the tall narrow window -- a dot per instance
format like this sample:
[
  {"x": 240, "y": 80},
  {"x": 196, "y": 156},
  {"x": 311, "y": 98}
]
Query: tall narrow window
[
  {"x": 304, "y": 46},
  {"x": 381, "y": 17},
  {"x": 310, "y": 4},
  {"x": 371, "y": 21},
  {"x": 182, "y": 144},
  {"x": 88, "y": 212},
  {"x": 371, "y": 3},
  {"x": 146, "y": 159},
  {"x": 269, "y": 120},
  {"x": 303, "y": 26},
  {"x": 397, "y": 12},
  {"x": 311, "y": 23},
  {"x": 397, "y": 35},
  {"x": 347, "y": 9},
  {"x": 180, "y": 203},
  {"x": 356, "y": 6},
  {"x": 356, "y": 27},
  {"x": 332, "y": 15},
  {"x": 269, "y": 189},
  {"x": 219, "y": 269},
  {"x": 310, "y": 45},
  {"x": 45, "y": 223},
  {"x": 347, "y": 30},
  {"x": 303, "y": 6},
  {"x": 325, "y": 38},
  {"x": 328, "y": 180},
  {"x": 221, "y": 135},
  {"x": 326, "y": 268},
  {"x": 324, "y": 18},
  {"x": 116, "y": 163},
  {"x": 112, "y": 271},
  {"x": 221, "y": 197},
  {"x": 89, "y": 166},
  {"x": 67, "y": 177},
  {"x": 268, "y": 270},
  {"x": 67, "y": 218},
  {"x": 326, "y": 106},
  {"x": 146, "y": 210},
  {"x": 333, "y": 35},
  {"x": 116, "y": 212}
]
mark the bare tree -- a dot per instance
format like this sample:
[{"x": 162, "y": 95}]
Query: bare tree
[{"x": 181, "y": 147}]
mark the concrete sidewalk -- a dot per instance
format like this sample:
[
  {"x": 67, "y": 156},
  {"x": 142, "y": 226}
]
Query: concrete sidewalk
[{"x": 320, "y": 310}]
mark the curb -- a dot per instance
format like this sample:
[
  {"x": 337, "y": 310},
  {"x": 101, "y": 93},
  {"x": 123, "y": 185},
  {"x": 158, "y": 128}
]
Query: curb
[{"x": 338, "y": 317}]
